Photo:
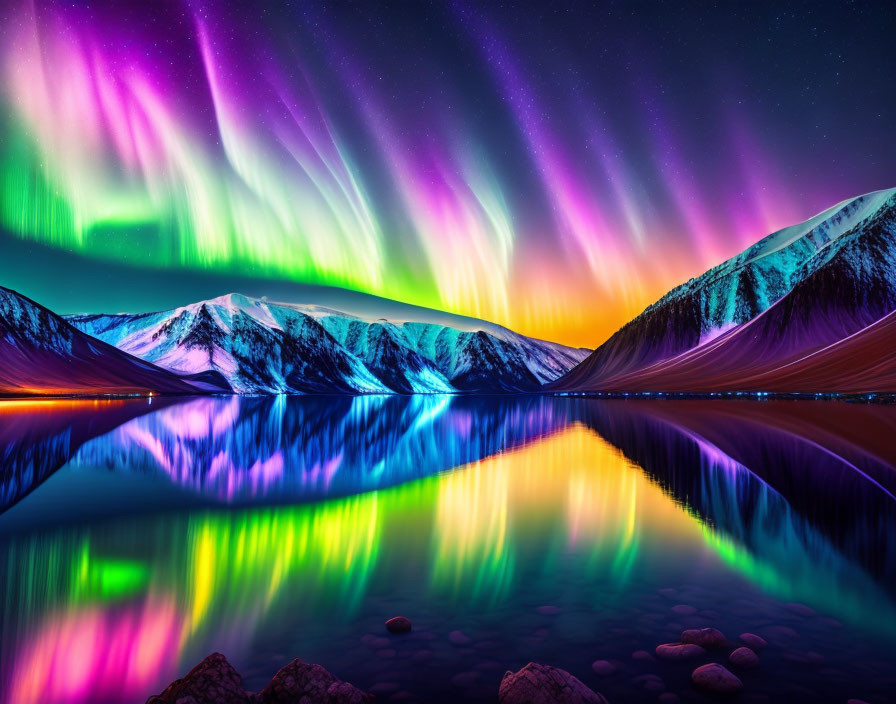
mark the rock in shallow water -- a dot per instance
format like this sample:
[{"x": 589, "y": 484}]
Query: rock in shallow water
[
  {"x": 603, "y": 668},
  {"x": 652, "y": 683},
  {"x": 716, "y": 679},
  {"x": 398, "y": 624},
  {"x": 543, "y": 684},
  {"x": 214, "y": 681},
  {"x": 679, "y": 651},
  {"x": 705, "y": 637},
  {"x": 459, "y": 638},
  {"x": 752, "y": 641},
  {"x": 800, "y": 609},
  {"x": 743, "y": 657}
]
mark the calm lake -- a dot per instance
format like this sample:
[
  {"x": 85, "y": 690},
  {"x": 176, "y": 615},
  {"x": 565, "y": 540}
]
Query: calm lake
[{"x": 138, "y": 536}]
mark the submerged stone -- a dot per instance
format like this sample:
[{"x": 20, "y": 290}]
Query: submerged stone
[
  {"x": 652, "y": 683},
  {"x": 679, "y": 651},
  {"x": 459, "y": 638},
  {"x": 716, "y": 679},
  {"x": 743, "y": 657},
  {"x": 398, "y": 624},
  {"x": 753, "y": 641},
  {"x": 705, "y": 637},
  {"x": 603, "y": 668}
]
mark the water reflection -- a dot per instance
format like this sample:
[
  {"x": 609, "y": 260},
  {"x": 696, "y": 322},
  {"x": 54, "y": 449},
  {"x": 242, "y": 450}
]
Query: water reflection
[
  {"x": 773, "y": 473},
  {"x": 38, "y": 437},
  {"x": 587, "y": 505},
  {"x": 287, "y": 448}
]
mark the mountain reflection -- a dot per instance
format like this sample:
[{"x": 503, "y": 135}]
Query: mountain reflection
[
  {"x": 37, "y": 437},
  {"x": 756, "y": 471},
  {"x": 285, "y": 448},
  {"x": 553, "y": 501}
]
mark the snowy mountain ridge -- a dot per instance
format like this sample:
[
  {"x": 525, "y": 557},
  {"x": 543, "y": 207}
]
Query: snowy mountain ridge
[
  {"x": 776, "y": 262},
  {"x": 815, "y": 294},
  {"x": 262, "y": 346}
]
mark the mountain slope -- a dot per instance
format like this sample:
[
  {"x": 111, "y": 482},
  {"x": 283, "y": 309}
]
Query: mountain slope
[
  {"x": 266, "y": 347},
  {"x": 745, "y": 324},
  {"x": 43, "y": 354}
]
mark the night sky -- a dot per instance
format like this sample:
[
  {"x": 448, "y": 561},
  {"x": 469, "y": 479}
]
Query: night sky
[{"x": 554, "y": 167}]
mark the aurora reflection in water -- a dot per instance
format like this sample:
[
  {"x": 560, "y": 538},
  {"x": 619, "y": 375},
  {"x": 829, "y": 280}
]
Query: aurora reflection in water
[{"x": 275, "y": 528}]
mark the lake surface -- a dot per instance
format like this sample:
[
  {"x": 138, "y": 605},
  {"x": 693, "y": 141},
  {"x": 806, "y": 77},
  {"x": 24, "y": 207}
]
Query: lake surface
[{"x": 139, "y": 536}]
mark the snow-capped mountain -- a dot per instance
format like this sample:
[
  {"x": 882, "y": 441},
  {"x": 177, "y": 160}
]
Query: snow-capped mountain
[
  {"x": 773, "y": 318},
  {"x": 266, "y": 347},
  {"x": 43, "y": 354}
]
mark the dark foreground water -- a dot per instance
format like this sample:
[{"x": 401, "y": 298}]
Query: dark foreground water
[{"x": 137, "y": 538}]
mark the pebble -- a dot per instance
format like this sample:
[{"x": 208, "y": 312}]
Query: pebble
[
  {"x": 810, "y": 658},
  {"x": 683, "y": 610},
  {"x": 421, "y": 656},
  {"x": 398, "y": 624},
  {"x": 603, "y": 668},
  {"x": 743, "y": 657},
  {"x": 716, "y": 678},
  {"x": 459, "y": 638},
  {"x": 800, "y": 609},
  {"x": 679, "y": 651},
  {"x": 705, "y": 637},
  {"x": 641, "y": 655},
  {"x": 652, "y": 683},
  {"x": 780, "y": 632},
  {"x": 753, "y": 641}
]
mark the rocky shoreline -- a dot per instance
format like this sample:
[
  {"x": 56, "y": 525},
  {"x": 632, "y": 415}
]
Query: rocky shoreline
[{"x": 215, "y": 681}]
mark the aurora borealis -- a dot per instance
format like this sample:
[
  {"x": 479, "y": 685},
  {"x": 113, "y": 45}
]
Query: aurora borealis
[{"x": 552, "y": 169}]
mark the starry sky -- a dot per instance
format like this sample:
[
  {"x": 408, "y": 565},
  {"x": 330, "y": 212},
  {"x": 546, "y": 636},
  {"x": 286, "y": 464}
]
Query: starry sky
[{"x": 554, "y": 167}]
